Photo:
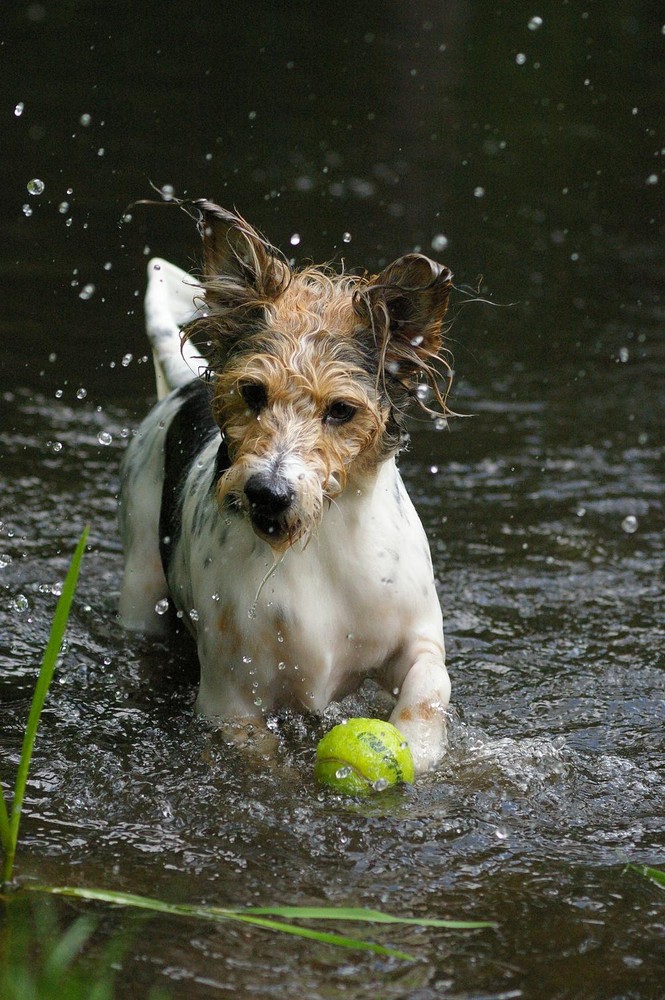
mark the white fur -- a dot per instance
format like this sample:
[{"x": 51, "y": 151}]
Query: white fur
[
  {"x": 304, "y": 629},
  {"x": 168, "y": 306}
]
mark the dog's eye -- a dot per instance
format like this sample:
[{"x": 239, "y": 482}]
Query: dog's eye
[
  {"x": 339, "y": 412},
  {"x": 254, "y": 394}
]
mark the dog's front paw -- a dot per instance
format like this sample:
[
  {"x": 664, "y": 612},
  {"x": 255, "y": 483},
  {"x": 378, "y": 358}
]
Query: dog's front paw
[{"x": 426, "y": 736}]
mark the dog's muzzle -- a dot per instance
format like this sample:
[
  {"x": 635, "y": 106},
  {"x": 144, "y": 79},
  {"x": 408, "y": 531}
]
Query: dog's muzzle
[{"x": 269, "y": 499}]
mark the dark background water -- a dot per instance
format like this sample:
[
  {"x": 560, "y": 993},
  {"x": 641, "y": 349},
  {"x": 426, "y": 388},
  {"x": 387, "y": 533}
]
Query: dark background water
[{"x": 532, "y": 152}]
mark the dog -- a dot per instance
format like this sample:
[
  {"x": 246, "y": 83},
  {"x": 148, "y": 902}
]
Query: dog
[{"x": 261, "y": 498}]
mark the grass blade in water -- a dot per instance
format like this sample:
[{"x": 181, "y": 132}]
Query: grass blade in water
[
  {"x": 360, "y": 914},
  {"x": 654, "y": 874},
  {"x": 219, "y": 913},
  {"x": 41, "y": 690}
]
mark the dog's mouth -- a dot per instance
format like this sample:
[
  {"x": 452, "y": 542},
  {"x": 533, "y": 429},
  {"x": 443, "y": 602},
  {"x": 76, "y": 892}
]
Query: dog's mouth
[{"x": 271, "y": 529}]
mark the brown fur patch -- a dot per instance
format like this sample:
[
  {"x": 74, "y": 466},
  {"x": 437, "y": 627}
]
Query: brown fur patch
[{"x": 292, "y": 349}]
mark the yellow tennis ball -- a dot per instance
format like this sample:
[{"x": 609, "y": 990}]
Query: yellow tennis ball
[{"x": 363, "y": 755}]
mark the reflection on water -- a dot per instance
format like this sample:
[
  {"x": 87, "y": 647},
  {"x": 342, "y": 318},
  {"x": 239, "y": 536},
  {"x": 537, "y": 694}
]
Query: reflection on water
[{"x": 525, "y": 152}]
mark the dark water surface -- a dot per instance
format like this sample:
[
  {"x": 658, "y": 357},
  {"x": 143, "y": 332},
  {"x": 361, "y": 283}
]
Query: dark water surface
[{"x": 532, "y": 153}]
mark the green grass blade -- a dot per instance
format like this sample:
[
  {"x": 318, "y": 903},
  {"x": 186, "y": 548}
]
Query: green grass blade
[
  {"x": 49, "y": 660},
  {"x": 218, "y": 913},
  {"x": 360, "y": 914},
  {"x": 131, "y": 899},
  {"x": 326, "y": 937},
  {"x": 655, "y": 874},
  {"x": 67, "y": 947}
]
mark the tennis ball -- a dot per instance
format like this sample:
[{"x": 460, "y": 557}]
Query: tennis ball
[{"x": 363, "y": 755}]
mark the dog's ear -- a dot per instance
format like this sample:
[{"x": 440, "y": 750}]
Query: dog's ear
[
  {"x": 408, "y": 301},
  {"x": 240, "y": 267}
]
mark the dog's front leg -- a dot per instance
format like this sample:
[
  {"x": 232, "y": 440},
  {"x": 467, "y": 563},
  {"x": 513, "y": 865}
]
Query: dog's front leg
[{"x": 420, "y": 712}]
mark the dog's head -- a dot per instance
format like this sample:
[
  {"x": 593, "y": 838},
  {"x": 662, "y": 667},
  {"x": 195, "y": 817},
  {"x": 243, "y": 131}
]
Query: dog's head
[{"x": 312, "y": 370}]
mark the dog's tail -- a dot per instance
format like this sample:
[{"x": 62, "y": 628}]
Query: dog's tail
[{"x": 169, "y": 304}]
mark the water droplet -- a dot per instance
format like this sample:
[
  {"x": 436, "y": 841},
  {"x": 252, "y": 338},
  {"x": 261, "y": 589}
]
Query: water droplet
[
  {"x": 81, "y": 393},
  {"x": 19, "y": 109},
  {"x": 5, "y": 560},
  {"x": 258, "y": 702},
  {"x": 343, "y": 772},
  {"x": 27, "y": 211},
  {"x": 167, "y": 192},
  {"x": 520, "y": 58},
  {"x": 63, "y": 207},
  {"x": 630, "y": 524},
  {"x": 162, "y": 606},
  {"x": 440, "y": 424},
  {"x": 434, "y": 469},
  {"x": 246, "y": 659},
  {"x": 439, "y": 242},
  {"x": 20, "y": 603},
  {"x": 54, "y": 446},
  {"x": 105, "y": 438},
  {"x": 295, "y": 240},
  {"x": 417, "y": 341},
  {"x": 194, "y": 615},
  {"x": 624, "y": 354},
  {"x": 380, "y": 784},
  {"x": 281, "y": 665},
  {"x": 280, "y": 637},
  {"x": 479, "y": 192},
  {"x": 87, "y": 291},
  {"x": 35, "y": 186},
  {"x": 535, "y": 23},
  {"x": 652, "y": 179},
  {"x": 85, "y": 120},
  {"x": 127, "y": 360},
  {"x": 58, "y": 393},
  {"x": 346, "y": 237}
]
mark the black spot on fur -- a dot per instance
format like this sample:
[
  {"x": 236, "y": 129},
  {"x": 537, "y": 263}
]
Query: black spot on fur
[{"x": 191, "y": 429}]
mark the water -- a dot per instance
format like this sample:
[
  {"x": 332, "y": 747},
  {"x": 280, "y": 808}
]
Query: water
[{"x": 544, "y": 506}]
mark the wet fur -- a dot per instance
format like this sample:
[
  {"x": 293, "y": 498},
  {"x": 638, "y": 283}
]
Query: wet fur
[{"x": 281, "y": 466}]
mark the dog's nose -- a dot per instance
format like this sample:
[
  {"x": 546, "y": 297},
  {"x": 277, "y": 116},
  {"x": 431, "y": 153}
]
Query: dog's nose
[{"x": 268, "y": 496}]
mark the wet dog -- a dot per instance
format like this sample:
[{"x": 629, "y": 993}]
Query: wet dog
[{"x": 261, "y": 495}]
